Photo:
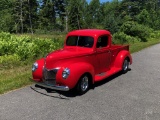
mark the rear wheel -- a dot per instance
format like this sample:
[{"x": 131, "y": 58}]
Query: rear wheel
[
  {"x": 125, "y": 66},
  {"x": 83, "y": 84}
]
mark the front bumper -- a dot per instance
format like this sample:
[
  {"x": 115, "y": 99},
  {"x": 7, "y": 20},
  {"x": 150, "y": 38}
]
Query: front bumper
[{"x": 53, "y": 87}]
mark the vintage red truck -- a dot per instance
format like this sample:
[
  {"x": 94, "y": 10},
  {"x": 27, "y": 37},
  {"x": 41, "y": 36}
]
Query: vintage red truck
[{"x": 88, "y": 56}]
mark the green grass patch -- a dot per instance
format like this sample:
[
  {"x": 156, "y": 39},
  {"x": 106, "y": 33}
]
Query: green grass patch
[
  {"x": 11, "y": 79},
  {"x": 15, "y": 83},
  {"x": 135, "y": 47}
]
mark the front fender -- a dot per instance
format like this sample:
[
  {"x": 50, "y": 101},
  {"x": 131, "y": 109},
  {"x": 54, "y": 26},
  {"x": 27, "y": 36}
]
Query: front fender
[
  {"x": 76, "y": 71},
  {"x": 37, "y": 75},
  {"x": 120, "y": 58}
]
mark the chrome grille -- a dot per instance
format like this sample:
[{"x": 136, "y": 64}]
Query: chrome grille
[{"x": 49, "y": 76}]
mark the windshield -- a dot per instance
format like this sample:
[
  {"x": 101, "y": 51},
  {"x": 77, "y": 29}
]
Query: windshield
[{"x": 82, "y": 41}]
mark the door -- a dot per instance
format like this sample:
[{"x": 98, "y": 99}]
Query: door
[{"x": 103, "y": 54}]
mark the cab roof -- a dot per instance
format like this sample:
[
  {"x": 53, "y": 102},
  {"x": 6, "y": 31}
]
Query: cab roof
[{"x": 89, "y": 32}]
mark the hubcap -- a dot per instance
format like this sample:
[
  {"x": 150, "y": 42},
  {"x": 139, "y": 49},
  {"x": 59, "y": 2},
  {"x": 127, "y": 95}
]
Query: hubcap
[
  {"x": 125, "y": 65},
  {"x": 84, "y": 83}
]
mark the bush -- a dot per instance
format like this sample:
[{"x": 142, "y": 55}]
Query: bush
[
  {"x": 8, "y": 58},
  {"x": 155, "y": 34},
  {"x": 25, "y": 47},
  {"x": 136, "y": 30},
  {"x": 9, "y": 61},
  {"x": 122, "y": 38}
]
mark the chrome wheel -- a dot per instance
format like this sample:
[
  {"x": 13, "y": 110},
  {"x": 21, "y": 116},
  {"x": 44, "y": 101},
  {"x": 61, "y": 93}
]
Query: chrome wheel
[
  {"x": 84, "y": 83},
  {"x": 125, "y": 65}
]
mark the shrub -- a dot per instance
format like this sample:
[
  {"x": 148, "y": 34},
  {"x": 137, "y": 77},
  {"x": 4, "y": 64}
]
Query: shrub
[
  {"x": 155, "y": 34},
  {"x": 122, "y": 38},
  {"x": 26, "y": 47},
  {"x": 136, "y": 30},
  {"x": 9, "y": 60}
]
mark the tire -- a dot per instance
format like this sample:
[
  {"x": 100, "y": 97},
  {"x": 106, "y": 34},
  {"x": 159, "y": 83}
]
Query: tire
[
  {"x": 125, "y": 66},
  {"x": 83, "y": 85}
]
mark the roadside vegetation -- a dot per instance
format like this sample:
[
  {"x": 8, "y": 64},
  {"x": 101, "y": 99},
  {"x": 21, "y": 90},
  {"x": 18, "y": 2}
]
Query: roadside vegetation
[
  {"x": 29, "y": 29},
  {"x": 18, "y": 52}
]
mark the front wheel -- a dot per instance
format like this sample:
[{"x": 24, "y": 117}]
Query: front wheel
[
  {"x": 125, "y": 66},
  {"x": 83, "y": 84}
]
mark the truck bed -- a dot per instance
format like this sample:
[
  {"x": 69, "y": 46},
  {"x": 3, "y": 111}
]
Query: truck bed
[
  {"x": 115, "y": 49},
  {"x": 119, "y": 47}
]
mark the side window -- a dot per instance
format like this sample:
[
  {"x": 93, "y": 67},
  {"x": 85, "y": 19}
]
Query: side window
[{"x": 102, "y": 41}]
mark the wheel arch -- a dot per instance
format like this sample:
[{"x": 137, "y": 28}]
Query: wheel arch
[
  {"x": 77, "y": 70},
  {"x": 122, "y": 55},
  {"x": 78, "y": 87},
  {"x": 91, "y": 81},
  {"x": 89, "y": 72}
]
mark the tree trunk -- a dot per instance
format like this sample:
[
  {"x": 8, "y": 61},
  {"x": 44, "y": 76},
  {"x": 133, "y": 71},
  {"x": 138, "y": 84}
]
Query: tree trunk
[
  {"x": 78, "y": 19},
  {"x": 30, "y": 20},
  {"x": 66, "y": 20},
  {"x": 21, "y": 16}
]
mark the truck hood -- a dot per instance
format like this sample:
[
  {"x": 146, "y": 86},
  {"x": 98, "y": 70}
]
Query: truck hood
[{"x": 66, "y": 53}]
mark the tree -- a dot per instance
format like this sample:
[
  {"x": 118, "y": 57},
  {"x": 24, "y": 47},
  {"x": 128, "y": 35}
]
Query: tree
[
  {"x": 47, "y": 15},
  {"x": 6, "y": 20},
  {"x": 25, "y": 14},
  {"x": 112, "y": 19},
  {"x": 94, "y": 11},
  {"x": 31, "y": 15},
  {"x": 144, "y": 18},
  {"x": 60, "y": 10},
  {"x": 74, "y": 9}
]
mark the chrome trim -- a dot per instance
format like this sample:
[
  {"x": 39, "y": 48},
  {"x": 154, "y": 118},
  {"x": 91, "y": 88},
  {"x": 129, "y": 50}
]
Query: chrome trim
[
  {"x": 54, "y": 87},
  {"x": 47, "y": 73},
  {"x": 45, "y": 61},
  {"x": 34, "y": 67},
  {"x": 66, "y": 73}
]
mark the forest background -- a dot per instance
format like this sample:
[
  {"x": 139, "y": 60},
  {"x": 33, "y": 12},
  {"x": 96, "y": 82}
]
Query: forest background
[{"x": 44, "y": 16}]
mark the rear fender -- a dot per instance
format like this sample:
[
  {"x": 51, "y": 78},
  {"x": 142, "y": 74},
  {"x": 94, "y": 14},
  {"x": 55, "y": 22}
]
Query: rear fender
[{"x": 120, "y": 58}]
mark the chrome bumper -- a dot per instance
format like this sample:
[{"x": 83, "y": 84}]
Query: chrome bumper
[{"x": 54, "y": 87}]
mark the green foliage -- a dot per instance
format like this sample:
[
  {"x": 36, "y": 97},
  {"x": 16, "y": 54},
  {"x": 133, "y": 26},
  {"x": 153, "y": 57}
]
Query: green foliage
[
  {"x": 112, "y": 19},
  {"x": 47, "y": 16},
  {"x": 21, "y": 48},
  {"x": 144, "y": 18},
  {"x": 155, "y": 34},
  {"x": 95, "y": 13},
  {"x": 122, "y": 38},
  {"x": 9, "y": 59},
  {"x": 6, "y": 20},
  {"x": 11, "y": 79},
  {"x": 136, "y": 30}
]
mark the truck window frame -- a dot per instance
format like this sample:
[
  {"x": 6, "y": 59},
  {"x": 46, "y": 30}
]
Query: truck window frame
[
  {"x": 80, "y": 41},
  {"x": 102, "y": 41}
]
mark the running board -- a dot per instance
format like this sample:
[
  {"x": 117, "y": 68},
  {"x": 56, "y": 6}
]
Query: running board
[{"x": 101, "y": 76}]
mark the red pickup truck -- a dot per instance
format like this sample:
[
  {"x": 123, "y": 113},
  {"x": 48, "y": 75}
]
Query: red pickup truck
[{"x": 88, "y": 56}]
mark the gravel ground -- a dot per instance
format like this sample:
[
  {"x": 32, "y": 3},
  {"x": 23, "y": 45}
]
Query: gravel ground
[{"x": 131, "y": 96}]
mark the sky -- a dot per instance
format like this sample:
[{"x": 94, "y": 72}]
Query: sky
[{"x": 101, "y": 0}]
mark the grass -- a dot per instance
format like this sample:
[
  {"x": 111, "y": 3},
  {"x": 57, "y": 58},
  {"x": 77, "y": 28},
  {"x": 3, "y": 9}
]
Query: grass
[
  {"x": 19, "y": 76},
  {"x": 14, "y": 78},
  {"x": 141, "y": 45}
]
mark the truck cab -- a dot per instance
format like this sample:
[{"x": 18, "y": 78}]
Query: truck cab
[{"x": 88, "y": 56}]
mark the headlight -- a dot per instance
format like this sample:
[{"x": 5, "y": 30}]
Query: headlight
[
  {"x": 65, "y": 73},
  {"x": 34, "y": 66}
]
